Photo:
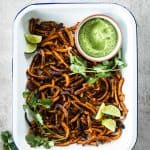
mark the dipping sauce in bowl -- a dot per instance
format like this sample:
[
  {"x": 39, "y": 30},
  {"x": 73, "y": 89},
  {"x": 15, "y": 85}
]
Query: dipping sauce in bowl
[{"x": 98, "y": 38}]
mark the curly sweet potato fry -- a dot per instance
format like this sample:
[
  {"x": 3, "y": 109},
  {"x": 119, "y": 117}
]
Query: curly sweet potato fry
[{"x": 66, "y": 129}]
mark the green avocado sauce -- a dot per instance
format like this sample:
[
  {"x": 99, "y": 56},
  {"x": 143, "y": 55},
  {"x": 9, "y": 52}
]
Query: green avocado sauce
[{"x": 97, "y": 37}]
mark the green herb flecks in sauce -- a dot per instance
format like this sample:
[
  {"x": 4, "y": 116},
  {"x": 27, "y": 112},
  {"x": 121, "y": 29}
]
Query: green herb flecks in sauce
[{"x": 98, "y": 37}]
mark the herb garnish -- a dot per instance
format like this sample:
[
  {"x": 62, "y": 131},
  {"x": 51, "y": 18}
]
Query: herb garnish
[
  {"x": 78, "y": 65},
  {"x": 100, "y": 70},
  {"x": 8, "y": 142},
  {"x": 32, "y": 105},
  {"x": 34, "y": 101},
  {"x": 35, "y": 141}
]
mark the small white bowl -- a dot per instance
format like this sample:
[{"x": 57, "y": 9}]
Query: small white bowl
[{"x": 115, "y": 50}]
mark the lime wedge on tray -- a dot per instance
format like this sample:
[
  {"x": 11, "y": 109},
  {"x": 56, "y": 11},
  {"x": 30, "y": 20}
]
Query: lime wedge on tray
[
  {"x": 99, "y": 114},
  {"x": 111, "y": 110},
  {"x": 30, "y": 48},
  {"x": 32, "y": 38},
  {"x": 110, "y": 124}
]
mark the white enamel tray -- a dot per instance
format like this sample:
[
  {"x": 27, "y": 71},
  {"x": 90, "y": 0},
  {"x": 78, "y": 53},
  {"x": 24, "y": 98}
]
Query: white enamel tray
[{"x": 70, "y": 14}]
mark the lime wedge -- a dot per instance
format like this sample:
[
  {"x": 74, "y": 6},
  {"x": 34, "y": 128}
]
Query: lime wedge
[
  {"x": 30, "y": 48},
  {"x": 99, "y": 114},
  {"x": 32, "y": 38},
  {"x": 111, "y": 110},
  {"x": 110, "y": 124}
]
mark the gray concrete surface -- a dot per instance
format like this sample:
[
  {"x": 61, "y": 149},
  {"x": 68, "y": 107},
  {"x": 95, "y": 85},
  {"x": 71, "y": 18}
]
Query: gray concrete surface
[{"x": 141, "y": 11}]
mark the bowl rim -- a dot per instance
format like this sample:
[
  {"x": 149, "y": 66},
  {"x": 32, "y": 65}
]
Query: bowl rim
[{"x": 118, "y": 44}]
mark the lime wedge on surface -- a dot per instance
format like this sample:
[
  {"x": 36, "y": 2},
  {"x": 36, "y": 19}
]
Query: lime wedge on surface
[
  {"x": 111, "y": 110},
  {"x": 32, "y": 38},
  {"x": 110, "y": 124},
  {"x": 30, "y": 48},
  {"x": 99, "y": 114}
]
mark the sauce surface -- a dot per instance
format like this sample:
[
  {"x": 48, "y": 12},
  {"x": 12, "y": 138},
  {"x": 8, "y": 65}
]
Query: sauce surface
[{"x": 97, "y": 37}]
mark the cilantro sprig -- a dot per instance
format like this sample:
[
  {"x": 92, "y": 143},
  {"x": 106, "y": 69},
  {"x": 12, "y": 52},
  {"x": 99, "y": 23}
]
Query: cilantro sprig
[
  {"x": 33, "y": 104},
  {"x": 78, "y": 65},
  {"x": 31, "y": 107},
  {"x": 35, "y": 141},
  {"x": 100, "y": 70},
  {"x": 8, "y": 142}
]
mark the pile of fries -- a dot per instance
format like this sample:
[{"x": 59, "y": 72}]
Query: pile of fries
[{"x": 70, "y": 119}]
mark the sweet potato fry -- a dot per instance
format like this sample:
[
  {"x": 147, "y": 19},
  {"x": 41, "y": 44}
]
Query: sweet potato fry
[{"x": 70, "y": 116}]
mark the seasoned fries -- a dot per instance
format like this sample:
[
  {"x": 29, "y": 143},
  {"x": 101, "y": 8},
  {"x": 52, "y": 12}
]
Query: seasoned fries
[{"x": 70, "y": 118}]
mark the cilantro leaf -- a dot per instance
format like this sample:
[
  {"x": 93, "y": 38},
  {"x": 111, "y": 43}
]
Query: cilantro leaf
[
  {"x": 25, "y": 106},
  {"x": 100, "y": 68},
  {"x": 120, "y": 63},
  {"x": 8, "y": 143},
  {"x": 6, "y": 137},
  {"x": 25, "y": 94},
  {"x": 92, "y": 80},
  {"x": 78, "y": 69},
  {"x": 108, "y": 63},
  {"x": 78, "y": 65},
  {"x": 45, "y": 102},
  {"x": 77, "y": 60},
  {"x": 33, "y": 102},
  {"x": 35, "y": 141}
]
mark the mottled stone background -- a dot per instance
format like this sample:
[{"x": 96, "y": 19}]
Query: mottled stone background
[{"x": 141, "y": 11}]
